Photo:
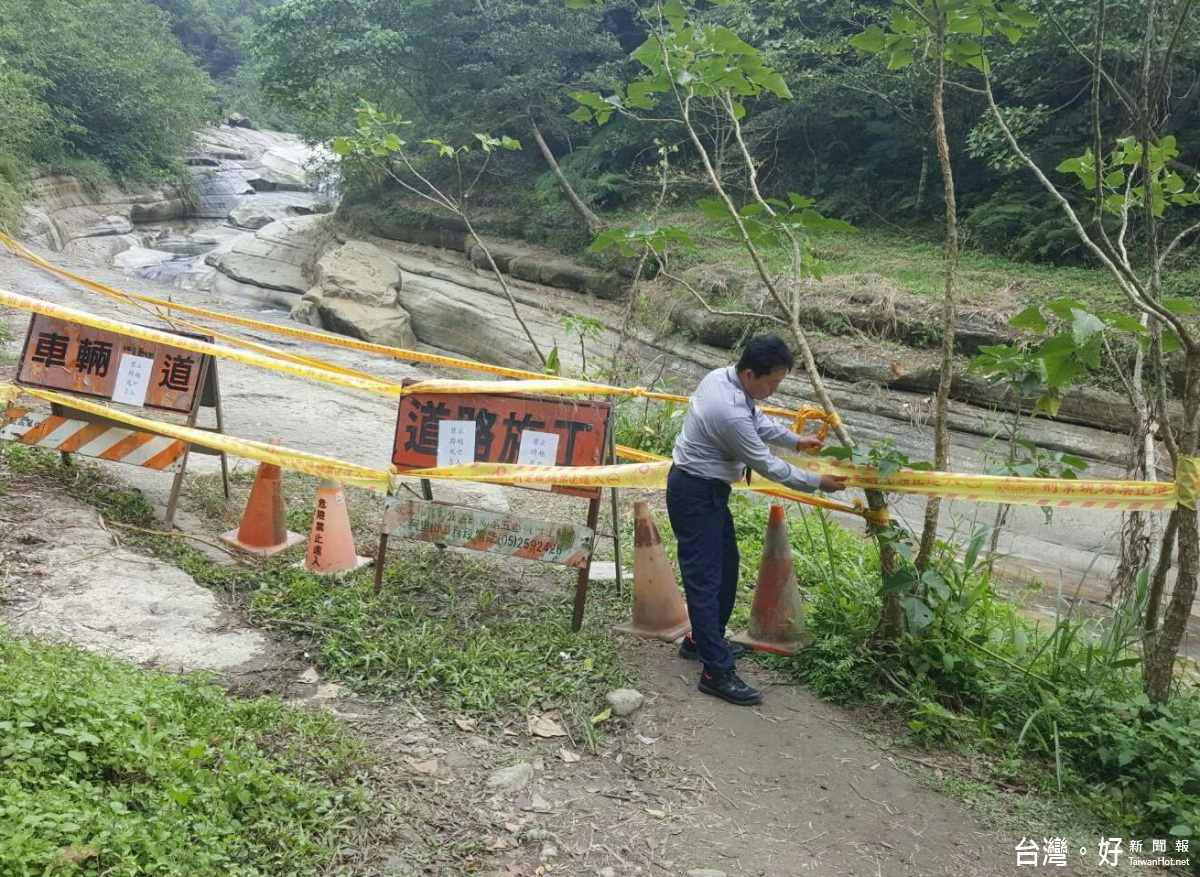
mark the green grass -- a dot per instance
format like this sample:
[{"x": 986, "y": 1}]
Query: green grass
[
  {"x": 109, "y": 769},
  {"x": 912, "y": 262},
  {"x": 460, "y": 633},
  {"x": 106, "y": 768},
  {"x": 452, "y": 631},
  {"x": 915, "y": 266}
]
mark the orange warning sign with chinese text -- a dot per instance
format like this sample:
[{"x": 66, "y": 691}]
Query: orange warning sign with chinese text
[
  {"x": 435, "y": 429},
  {"x": 62, "y": 355}
]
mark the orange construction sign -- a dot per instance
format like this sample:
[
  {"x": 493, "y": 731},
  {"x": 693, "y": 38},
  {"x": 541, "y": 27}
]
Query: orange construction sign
[
  {"x": 64, "y": 355},
  {"x": 434, "y": 429}
]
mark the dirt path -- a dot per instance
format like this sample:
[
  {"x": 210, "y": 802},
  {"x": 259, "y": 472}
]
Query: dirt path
[
  {"x": 687, "y": 783},
  {"x": 789, "y": 787}
]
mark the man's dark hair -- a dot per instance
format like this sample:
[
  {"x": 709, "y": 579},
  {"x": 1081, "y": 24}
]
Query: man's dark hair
[{"x": 765, "y": 353}]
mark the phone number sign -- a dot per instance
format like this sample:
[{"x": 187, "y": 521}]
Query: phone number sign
[
  {"x": 62, "y": 355},
  {"x": 562, "y": 544}
]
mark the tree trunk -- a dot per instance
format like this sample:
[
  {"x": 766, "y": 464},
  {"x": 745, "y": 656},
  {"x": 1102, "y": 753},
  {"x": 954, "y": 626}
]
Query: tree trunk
[
  {"x": 1162, "y": 642},
  {"x": 922, "y": 178},
  {"x": 591, "y": 219},
  {"x": 1160, "y": 660},
  {"x": 941, "y": 432}
]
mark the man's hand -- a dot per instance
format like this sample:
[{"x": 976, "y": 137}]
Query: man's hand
[
  {"x": 832, "y": 483},
  {"x": 809, "y": 443}
]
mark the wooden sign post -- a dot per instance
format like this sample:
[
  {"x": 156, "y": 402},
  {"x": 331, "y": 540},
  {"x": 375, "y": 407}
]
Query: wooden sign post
[
  {"x": 436, "y": 429},
  {"x": 75, "y": 358}
]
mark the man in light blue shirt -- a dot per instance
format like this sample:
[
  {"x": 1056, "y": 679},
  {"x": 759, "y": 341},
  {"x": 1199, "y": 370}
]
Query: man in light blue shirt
[{"x": 723, "y": 437}]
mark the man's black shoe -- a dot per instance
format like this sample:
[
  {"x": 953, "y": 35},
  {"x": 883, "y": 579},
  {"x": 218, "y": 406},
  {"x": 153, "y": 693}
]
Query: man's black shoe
[
  {"x": 729, "y": 687},
  {"x": 687, "y": 649}
]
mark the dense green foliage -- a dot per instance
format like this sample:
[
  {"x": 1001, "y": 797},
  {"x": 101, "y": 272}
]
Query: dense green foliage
[
  {"x": 106, "y": 80},
  {"x": 854, "y": 136},
  {"x": 109, "y": 769},
  {"x": 121, "y": 81},
  {"x": 101, "y": 81},
  {"x": 454, "y": 69},
  {"x": 457, "y": 67},
  {"x": 214, "y": 32},
  {"x": 217, "y": 34},
  {"x": 115, "y": 89}
]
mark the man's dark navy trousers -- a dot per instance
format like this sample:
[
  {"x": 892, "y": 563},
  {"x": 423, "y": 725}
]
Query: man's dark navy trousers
[{"x": 708, "y": 561}]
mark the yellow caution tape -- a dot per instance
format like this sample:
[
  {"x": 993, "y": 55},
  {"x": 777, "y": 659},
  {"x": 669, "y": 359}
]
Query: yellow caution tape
[
  {"x": 650, "y": 475},
  {"x": 877, "y": 517},
  {"x": 268, "y": 350},
  {"x": 138, "y": 301},
  {"x": 1054, "y": 493},
  {"x": 775, "y": 490},
  {"x": 33, "y": 305},
  {"x": 1114, "y": 495},
  {"x": 1048, "y": 492},
  {"x": 636, "y": 475},
  {"x": 286, "y": 458},
  {"x": 23, "y": 252},
  {"x": 555, "y": 386}
]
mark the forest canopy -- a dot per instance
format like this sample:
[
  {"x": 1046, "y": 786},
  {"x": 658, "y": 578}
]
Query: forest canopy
[
  {"x": 122, "y": 84},
  {"x": 854, "y": 135},
  {"x": 112, "y": 89}
]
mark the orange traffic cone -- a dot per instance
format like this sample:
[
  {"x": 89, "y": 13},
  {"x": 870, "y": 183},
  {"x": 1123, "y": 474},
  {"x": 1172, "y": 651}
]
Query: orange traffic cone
[
  {"x": 331, "y": 544},
  {"x": 776, "y": 622},
  {"x": 264, "y": 529},
  {"x": 658, "y": 608}
]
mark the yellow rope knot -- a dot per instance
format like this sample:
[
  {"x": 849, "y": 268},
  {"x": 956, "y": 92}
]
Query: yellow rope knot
[{"x": 805, "y": 414}]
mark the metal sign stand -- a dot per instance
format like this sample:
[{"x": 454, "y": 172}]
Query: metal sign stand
[
  {"x": 616, "y": 518},
  {"x": 585, "y": 572},
  {"x": 44, "y": 364},
  {"x": 209, "y": 397},
  {"x": 208, "y": 377},
  {"x": 607, "y": 453}
]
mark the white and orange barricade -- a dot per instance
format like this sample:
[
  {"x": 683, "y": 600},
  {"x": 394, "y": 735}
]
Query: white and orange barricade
[{"x": 91, "y": 439}]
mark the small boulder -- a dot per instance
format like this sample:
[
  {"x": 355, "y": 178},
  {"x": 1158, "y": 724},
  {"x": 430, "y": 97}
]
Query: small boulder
[
  {"x": 253, "y": 216},
  {"x": 511, "y": 779},
  {"x": 389, "y": 326},
  {"x": 114, "y": 224},
  {"x": 625, "y": 701},
  {"x": 360, "y": 272}
]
